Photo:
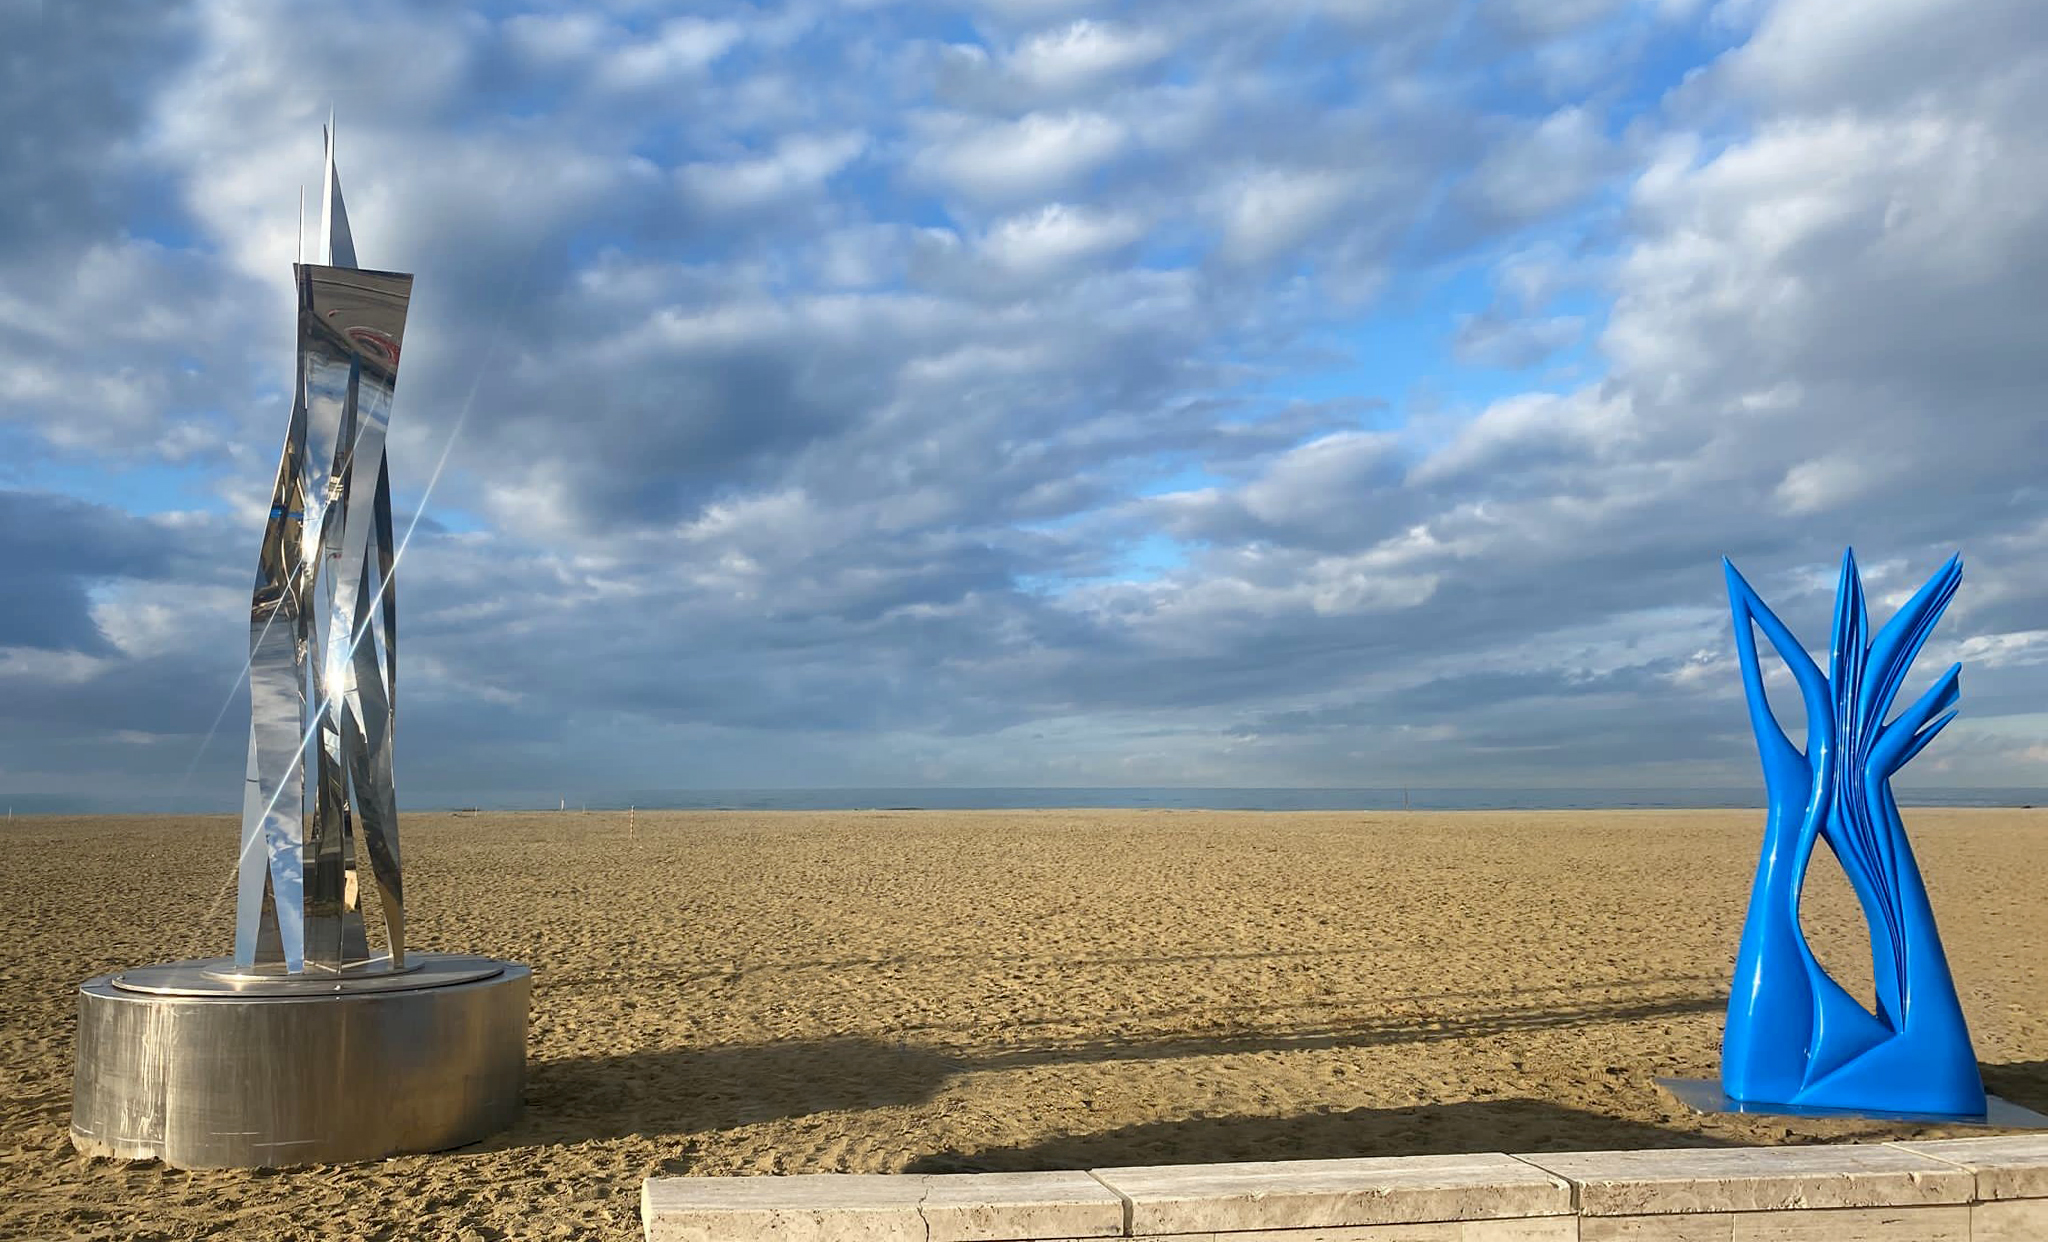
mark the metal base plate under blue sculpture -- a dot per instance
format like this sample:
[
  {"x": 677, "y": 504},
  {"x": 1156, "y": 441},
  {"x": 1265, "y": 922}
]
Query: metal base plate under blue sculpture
[
  {"x": 1704, "y": 1095},
  {"x": 202, "y": 1066}
]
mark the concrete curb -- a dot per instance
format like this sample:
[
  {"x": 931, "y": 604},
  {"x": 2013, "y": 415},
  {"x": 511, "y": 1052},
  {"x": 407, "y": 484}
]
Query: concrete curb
[{"x": 1992, "y": 1189}]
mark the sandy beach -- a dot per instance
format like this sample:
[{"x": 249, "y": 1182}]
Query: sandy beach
[{"x": 722, "y": 993}]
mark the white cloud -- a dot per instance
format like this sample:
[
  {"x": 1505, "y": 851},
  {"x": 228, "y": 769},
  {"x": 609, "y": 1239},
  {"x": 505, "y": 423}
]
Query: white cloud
[
  {"x": 59, "y": 667},
  {"x": 1549, "y": 18},
  {"x": 1540, "y": 169},
  {"x": 680, "y": 47},
  {"x": 1340, "y": 471},
  {"x": 1038, "y": 154},
  {"x": 1056, "y": 237},
  {"x": 1531, "y": 429},
  {"x": 2018, "y": 647},
  {"x": 800, "y": 163},
  {"x": 1492, "y": 340},
  {"x": 557, "y": 38},
  {"x": 161, "y": 618},
  {"x": 1804, "y": 53},
  {"x": 1829, "y": 483},
  {"x": 1267, "y": 212},
  {"x": 1082, "y": 54}
]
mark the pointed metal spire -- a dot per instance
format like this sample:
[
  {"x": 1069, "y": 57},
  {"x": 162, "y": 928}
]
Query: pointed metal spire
[
  {"x": 323, "y": 632},
  {"x": 337, "y": 247}
]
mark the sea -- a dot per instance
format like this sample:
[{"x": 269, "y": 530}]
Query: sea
[
  {"x": 1213, "y": 799},
  {"x": 950, "y": 798}
]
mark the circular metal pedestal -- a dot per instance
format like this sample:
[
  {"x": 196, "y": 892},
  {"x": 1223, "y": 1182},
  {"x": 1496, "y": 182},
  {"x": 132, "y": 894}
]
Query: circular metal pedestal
[{"x": 200, "y": 1068}]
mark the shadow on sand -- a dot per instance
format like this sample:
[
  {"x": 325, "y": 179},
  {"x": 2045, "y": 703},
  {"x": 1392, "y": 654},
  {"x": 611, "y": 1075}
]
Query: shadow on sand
[
  {"x": 2025, "y": 1083},
  {"x": 1364, "y": 1033},
  {"x": 687, "y": 1090},
  {"x": 1424, "y": 1130},
  {"x": 672, "y": 1091}
]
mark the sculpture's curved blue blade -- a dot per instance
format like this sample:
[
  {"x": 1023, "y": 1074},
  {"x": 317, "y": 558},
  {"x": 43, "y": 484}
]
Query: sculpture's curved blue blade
[
  {"x": 1764, "y": 999},
  {"x": 1751, "y": 614},
  {"x": 1793, "y": 1035}
]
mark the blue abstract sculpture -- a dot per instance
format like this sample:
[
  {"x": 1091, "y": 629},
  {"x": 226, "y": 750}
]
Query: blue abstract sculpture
[{"x": 1794, "y": 1036}]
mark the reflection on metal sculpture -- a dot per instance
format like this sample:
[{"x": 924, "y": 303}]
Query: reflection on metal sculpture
[
  {"x": 323, "y": 631},
  {"x": 1794, "y": 1036},
  {"x": 304, "y": 1048}
]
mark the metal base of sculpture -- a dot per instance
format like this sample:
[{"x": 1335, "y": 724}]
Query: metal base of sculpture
[
  {"x": 1704, "y": 1095},
  {"x": 1794, "y": 1036},
  {"x": 203, "y": 1067},
  {"x": 307, "y": 1046}
]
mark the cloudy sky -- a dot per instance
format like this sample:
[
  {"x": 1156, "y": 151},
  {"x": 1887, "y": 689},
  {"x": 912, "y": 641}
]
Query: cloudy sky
[{"x": 1034, "y": 392}]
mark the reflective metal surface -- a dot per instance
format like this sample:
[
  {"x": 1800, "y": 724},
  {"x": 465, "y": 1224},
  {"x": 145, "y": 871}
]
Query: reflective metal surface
[
  {"x": 323, "y": 634},
  {"x": 242, "y": 1081},
  {"x": 305, "y": 1047},
  {"x": 274, "y": 974},
  {"x": 221, "y": 977}
]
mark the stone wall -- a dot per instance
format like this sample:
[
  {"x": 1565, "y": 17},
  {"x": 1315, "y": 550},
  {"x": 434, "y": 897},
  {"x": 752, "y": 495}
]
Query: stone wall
[{"x": 1992, "y": 1189}]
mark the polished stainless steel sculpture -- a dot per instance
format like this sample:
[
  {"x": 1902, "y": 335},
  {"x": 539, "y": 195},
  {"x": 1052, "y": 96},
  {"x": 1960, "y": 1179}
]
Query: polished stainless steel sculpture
[
  {"x": 323, "y": 634},
  {"x": 304, "y": 1047}
]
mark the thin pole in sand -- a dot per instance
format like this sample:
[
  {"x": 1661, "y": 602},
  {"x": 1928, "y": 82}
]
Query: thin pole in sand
[{"x": 630, "y": 835}]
